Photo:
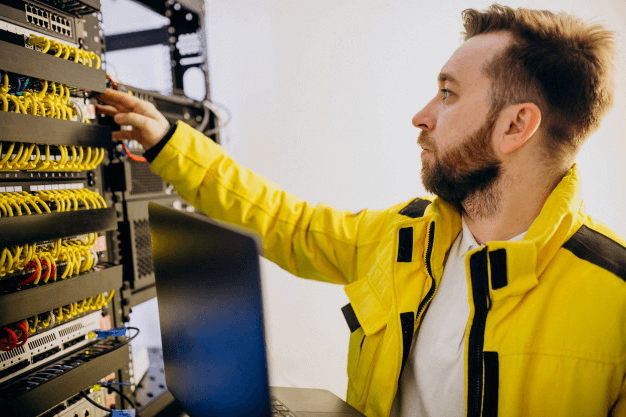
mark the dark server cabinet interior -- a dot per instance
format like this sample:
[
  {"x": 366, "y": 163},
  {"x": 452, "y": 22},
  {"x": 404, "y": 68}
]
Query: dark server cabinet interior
[{"x": 75, "y": 249}]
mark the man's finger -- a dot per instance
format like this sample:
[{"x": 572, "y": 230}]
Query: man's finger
[
  {"x": 147, "y": 109},
  {"x": 138, "y": 121},
  {"x": 111, "y": 97},
  {"x": 122, "y": 101},
  {"x": 121, "y": 135},
  {"x": 107, "y": 110}
]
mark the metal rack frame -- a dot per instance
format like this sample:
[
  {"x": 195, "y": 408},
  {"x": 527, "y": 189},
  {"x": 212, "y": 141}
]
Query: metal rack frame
[{"x": 186, "y": 18}]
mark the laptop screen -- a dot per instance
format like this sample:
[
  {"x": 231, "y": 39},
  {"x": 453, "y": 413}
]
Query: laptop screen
[{"x": 209, "y": 298}]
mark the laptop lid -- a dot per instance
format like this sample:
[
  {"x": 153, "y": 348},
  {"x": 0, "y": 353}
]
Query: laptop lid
[{"x": 210, "y": 308}]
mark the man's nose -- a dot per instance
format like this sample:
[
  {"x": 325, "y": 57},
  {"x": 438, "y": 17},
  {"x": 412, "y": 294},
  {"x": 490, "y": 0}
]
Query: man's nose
[{"x": 424, "y": 119}]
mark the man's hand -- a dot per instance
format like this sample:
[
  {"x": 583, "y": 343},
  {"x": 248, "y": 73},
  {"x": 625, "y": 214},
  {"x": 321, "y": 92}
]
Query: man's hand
[{"x": 149, "y": 126}]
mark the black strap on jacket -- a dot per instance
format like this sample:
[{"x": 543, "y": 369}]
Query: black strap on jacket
[{"x": 351, "y": 319}]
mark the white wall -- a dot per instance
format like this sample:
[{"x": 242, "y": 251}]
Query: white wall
[{"x": 322, "y": 93}]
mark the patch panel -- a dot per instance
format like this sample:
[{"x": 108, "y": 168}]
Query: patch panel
[
  {"x": 60, "y": 24},
  {"x": 27, "y": 32},
  {"x": 38, "y": 16},
  {"x": 27, "y": 17},
  {"x": 47, "y": 346},
  {"x": 55, "y": 181}
]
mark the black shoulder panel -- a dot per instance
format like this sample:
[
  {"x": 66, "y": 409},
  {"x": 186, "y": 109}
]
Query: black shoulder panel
[
  {"x": 415, "y": 208},
  {"x": 598, "y": 249}
]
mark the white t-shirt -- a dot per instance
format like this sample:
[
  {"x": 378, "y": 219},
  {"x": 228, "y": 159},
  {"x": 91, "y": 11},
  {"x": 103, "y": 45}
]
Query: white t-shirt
[{"x": 432, "y": 383}]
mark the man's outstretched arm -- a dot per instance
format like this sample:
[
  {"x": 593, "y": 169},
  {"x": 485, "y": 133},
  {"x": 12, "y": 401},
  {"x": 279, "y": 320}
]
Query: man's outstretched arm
[{"x": 312, "y": 242}]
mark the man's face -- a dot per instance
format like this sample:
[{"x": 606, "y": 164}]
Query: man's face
[
  {"x": 467, "y": 167},
  {"x": 457, "y": 125}
]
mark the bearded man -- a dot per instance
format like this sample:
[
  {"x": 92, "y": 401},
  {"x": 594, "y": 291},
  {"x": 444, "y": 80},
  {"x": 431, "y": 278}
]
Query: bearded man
[{"x": 499, "y": 296}]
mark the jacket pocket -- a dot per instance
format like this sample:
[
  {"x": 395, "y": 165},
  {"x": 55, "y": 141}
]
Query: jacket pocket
[
  {"x": 357, "y": 338},
  {"x": 362, "y": 358},
  {"x": 370, "y": 321},
  {"x": 370, "y": 312}
]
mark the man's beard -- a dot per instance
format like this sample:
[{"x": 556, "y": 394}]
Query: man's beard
[{"x": 466, "y": 175}]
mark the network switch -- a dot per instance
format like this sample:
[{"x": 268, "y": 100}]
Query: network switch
[
  {"x": 32, "y": 15},
  {"x": 47, "y": 346}
]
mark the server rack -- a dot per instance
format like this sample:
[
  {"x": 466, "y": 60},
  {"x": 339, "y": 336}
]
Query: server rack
[{"x": 75, "y": 252}]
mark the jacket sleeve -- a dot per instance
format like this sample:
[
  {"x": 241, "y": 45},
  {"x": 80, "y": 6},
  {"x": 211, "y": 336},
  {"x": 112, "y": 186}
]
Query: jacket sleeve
[{"x": 311, "y": 242}]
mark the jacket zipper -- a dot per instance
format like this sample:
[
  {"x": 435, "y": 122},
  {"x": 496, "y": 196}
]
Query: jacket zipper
[
  {"x": 429, "y": 250},
  {"x": 482, "y": 304},
  {"x": 425, "y": 302}
]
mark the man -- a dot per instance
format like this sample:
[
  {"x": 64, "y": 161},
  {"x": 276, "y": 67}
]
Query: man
[{"x": 500, "y": 296}]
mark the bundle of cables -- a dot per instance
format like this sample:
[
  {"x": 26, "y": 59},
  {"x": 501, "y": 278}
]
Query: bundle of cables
[
  {"x": 41, "y": 98},
  {"x": 18, "y": 202},
  {"x": 64, "y": 51},
  {"x": 72, "y": 199},
  {"x": 16, "y": 335},
  {"x": 37, "y": 98},
  {"x": 23, "y": 156},
  {"x": 40, "y": 263},
  {"x": 69, "y": 311}
]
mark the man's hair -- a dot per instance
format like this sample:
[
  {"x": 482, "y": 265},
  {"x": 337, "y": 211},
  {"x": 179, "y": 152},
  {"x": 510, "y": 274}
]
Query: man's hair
[{"x": 556, "y": 61}]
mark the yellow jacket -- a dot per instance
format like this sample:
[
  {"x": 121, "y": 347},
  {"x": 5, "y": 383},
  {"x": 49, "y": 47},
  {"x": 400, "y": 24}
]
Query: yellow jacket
[{"x": 546, "y": 334}]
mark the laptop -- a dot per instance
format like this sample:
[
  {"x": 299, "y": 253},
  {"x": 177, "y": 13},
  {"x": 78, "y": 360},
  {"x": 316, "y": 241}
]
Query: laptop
[{"x": 211, "y": 316}]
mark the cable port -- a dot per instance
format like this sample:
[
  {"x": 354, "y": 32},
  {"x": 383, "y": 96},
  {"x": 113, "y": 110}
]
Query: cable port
[
  {"x": 74, "y": 399},
  {"x": 45, "y": 354},
  {"x": 14, "y": 368},
  {"x": 56, "y": 410},
  {"x": 73, "y": 342},
  {"x": 52, "y": 21}
]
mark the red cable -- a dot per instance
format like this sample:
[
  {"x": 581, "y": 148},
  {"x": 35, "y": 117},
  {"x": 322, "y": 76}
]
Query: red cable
[
  {"x": 132, "y": 156},
  {"x": 45, "y": 276},
  {"x": 24, "y": 326},
  {"x": 112, "y": 82},
  {"x": 11, "y": 342},
  {"x": 34, "y": 274}
]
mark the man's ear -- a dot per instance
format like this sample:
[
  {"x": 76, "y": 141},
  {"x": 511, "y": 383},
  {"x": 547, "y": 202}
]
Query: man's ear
[{"x": 523, "y": 121}]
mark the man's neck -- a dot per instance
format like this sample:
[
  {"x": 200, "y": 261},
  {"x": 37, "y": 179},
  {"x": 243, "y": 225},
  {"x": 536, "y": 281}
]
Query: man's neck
[{"x": 519, "y": 203}]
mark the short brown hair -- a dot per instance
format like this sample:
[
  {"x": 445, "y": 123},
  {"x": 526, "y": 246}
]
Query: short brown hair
[{"x": 556, "y": 61}]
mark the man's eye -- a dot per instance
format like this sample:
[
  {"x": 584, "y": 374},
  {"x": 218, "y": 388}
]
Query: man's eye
[{"x": 446, "y": 93}]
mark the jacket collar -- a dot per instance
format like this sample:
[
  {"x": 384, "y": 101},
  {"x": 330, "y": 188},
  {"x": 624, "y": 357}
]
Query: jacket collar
[
  {"x": 560, "y": 217},
  {"x": 514, "y": 266},
  {"x": 523, "y": 261}
]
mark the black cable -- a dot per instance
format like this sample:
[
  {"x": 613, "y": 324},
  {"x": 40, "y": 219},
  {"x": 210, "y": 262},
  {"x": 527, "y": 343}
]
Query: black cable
[
  {"x": 85, "y": 396},
  {"x": 128, "y": 340},
  {"x": 122, "y": 395}
]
